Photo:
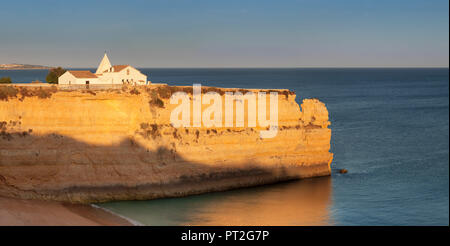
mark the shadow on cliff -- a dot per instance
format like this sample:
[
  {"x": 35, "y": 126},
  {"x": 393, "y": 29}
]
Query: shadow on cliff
[{"x": 58, "y": 167}]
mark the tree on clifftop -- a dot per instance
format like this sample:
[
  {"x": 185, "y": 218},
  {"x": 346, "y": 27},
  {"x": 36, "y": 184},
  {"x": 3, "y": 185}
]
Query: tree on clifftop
[
  {"x": 53, "y": 75},
  {"x": 5, "y": 80}
]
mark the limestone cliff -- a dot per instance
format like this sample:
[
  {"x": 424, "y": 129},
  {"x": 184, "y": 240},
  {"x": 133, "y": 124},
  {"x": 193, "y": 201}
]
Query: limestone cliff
[{"x": 101, "y": 145}]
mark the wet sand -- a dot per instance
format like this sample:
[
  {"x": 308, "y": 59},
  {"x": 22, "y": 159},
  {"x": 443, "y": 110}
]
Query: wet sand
[{"x": 18, "y": 212}]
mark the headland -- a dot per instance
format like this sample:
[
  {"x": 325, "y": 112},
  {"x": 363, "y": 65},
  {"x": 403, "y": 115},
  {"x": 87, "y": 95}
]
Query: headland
[
  {"x": 22, "y": 67},
  {"x": 97, "y": 144}
]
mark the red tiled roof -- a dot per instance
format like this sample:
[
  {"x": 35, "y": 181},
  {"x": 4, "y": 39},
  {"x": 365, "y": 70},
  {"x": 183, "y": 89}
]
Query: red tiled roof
[
  {"x": 117, "y": 68},
  {"x": 82, "y": 74}
]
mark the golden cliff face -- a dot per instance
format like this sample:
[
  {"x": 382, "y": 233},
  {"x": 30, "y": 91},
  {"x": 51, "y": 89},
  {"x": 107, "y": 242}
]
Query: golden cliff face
[{"x": 91, "y": 146}]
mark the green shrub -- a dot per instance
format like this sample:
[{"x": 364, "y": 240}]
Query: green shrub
[
  {"x": 43, "y": 93},
  {"x": 157, "y": 102},
  {"x": 53, "y": 75},
  {"x": 7, "y": 92},
  {"x": 5, "y": 80},
  {"x": 134, "y": 91}
]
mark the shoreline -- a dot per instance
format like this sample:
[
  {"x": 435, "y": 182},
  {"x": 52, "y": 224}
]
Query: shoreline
[
  {"x": 16, "y": 69},
  {"x": 20, "y": 212}
]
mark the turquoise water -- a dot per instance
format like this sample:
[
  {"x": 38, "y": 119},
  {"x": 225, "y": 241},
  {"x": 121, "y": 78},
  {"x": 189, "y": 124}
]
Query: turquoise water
[{"x": 390, "y": 129}]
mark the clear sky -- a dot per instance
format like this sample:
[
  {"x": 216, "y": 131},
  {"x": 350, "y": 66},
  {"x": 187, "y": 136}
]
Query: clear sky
[{"x": 242, "y": 33}]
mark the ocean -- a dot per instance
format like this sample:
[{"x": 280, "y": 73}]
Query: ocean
[{"x": 390, "y": 130}]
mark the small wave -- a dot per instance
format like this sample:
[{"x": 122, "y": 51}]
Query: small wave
[{"x": 133, "y": 222}]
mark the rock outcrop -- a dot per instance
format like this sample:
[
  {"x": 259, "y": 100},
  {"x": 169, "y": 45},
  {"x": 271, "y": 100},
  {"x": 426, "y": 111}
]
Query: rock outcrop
[{"x": 100, "y": 145}]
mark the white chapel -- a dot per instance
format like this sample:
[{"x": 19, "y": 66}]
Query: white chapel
[{"x": 105, "y": 74}]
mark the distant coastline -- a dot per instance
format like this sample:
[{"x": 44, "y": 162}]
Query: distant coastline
[{"x": 22, "y": 67}]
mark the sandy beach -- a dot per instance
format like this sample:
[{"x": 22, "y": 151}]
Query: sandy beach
[{"x": 18, "y": 212}]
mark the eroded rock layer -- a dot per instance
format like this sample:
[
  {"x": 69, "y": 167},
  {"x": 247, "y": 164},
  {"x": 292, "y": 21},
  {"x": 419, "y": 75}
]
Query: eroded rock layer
[{"x": 101, "y": 145}]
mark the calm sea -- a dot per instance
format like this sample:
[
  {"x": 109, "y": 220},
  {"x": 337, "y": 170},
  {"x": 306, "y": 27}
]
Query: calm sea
[{"x": 390, "y": 129}]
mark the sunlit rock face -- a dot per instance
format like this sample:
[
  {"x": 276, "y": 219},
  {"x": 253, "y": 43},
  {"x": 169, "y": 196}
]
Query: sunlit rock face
[{"x": 102, "y": 145}]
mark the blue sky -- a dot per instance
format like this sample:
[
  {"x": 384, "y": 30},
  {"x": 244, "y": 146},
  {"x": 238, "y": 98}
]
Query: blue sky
[{"x": 177, "y": 33}]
